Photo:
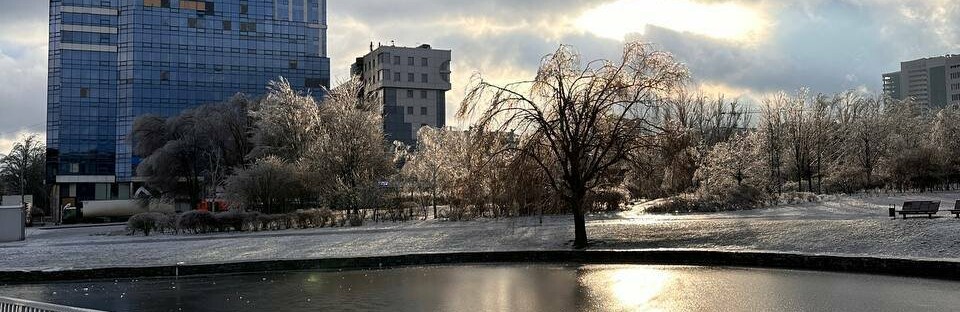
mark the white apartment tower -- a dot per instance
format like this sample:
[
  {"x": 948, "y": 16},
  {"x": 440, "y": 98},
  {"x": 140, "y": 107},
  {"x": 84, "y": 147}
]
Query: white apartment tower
[{"x": 412, "y": 83}]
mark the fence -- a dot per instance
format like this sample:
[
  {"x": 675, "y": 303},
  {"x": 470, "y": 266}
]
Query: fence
[{"x": 20, "y": 305}]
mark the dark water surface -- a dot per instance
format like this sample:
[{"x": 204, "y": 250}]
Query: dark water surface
[{"x": 509, "y": 288}]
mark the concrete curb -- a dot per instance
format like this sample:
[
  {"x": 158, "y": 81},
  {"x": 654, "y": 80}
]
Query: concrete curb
[{"x": 938, "y": 269}]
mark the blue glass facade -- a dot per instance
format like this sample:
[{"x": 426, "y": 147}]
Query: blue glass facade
[{"x": 113, "y": 60}]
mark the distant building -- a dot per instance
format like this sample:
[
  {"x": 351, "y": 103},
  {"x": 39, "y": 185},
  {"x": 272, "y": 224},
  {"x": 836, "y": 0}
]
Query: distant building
[
  {"x": 412, "y": 82},
  {"x": 933, "y": 81},
  {"x": 114, "y": 60}
]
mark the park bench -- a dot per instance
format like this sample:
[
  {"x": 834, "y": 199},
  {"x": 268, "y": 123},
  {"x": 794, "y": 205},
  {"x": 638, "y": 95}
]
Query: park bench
[
  {"x": 928, "y": 208},
  {"x": 956, "y": 209}
]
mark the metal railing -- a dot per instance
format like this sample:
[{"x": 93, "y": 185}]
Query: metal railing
[{"x": 20, "y": 305}]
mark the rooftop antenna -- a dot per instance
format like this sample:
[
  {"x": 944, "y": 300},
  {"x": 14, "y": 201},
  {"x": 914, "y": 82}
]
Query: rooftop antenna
[
  {"x": 371, "y": 46},
  {"x": 392, "y": 43}
]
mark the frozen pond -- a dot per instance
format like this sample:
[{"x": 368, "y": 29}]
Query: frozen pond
[{"x": 509, "y": 288}]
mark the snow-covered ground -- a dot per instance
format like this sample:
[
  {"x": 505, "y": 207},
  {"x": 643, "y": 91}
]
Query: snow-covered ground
[{"x": 849, "y": 225}]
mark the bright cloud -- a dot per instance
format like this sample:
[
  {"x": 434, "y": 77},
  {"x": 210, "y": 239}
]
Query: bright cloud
[
  {"x": 728, "y": 20},
  {"x": 745, "y": 49}
]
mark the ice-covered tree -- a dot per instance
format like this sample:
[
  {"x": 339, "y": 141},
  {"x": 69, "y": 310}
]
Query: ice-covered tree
[
  {"x": 287, "y": 123},
  {"x": 437, "y": 162},
  {"x": 190, "y": 155},
  {"x": 733, "y": 166},
  {"x": 348, "y": 156},
  {"x": 578, "y": 120},
  {"x": 269, "y": 185}
]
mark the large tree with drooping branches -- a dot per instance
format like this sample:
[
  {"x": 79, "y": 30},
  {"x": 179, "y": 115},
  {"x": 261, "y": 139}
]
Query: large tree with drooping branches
[{"x": 578, "y": 121}]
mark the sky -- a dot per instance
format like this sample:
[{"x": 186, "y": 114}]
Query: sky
[{"x": 744, "y": 49}]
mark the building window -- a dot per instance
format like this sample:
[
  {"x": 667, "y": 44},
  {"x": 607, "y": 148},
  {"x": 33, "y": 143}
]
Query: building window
[
  {"x": 423, "y": 78},
  {"x": 396, "y": 60},
  {"x": 410, "y": 77},
  {"x": 227, "y": 25},
  {"x": 193, "y": 23},
  {"x": 423, "y": 94},
  {"x": 409, "y": 110},
  {"x": 955, "y": 97},
  {"x": 424, "y": 62},
  {"x": 248, "y": 26},
  {"x": 157, "y": 3},
  {"x": 84, "y": 92},
  {"x": 410, "y": 61},
  {"x": 396, "y": 76},
  {"x": 423, "y": 111},
  {"x": 445, "y": 77},
  {"x": 294, "y": 64},
  {"x": 193, "y": 5},
  {"x": 164, "y": 75},
  {"x": 410, "y": 93},
  {"x": 244, "y": 9}
]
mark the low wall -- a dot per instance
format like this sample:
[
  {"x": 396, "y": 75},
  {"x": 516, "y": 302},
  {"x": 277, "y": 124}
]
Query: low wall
[{"x": 873, "y": 265}]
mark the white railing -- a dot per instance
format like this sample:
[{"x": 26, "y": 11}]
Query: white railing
[{"x": 20, "y": 305}]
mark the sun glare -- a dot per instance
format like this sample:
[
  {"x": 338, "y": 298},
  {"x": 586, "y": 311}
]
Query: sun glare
[{"x": 727, "y": 21}]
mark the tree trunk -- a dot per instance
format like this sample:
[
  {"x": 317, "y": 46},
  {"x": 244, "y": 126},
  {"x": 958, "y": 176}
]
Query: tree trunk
[
  {"x": 579, "y": 224},
  {"x": 433, "y": 199}
]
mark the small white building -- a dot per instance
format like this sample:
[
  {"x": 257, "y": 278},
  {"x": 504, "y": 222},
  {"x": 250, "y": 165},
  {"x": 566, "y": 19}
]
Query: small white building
[{"x": 12, "y": 223}]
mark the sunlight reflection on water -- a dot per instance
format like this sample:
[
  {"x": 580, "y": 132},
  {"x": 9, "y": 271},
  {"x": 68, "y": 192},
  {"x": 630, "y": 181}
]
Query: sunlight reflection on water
[{"x": 508, "y": 288}]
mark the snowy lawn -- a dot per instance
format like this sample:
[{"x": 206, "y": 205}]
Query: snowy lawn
[{"x": 848, "y": 225}]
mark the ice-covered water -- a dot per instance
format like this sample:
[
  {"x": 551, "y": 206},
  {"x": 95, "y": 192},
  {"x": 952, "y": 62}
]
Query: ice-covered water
[{"x": 509, "y": 288}]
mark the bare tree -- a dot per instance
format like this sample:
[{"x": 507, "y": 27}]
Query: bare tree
[
  {"x": 21, "y": 170},
  {"x": 577, "y": 120}
]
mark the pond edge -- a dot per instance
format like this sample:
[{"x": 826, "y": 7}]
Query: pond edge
[{"x": 925, "y": 268}]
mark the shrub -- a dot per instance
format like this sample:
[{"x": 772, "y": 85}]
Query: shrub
[
  {"x": 458, "y": 212},
  {"x": 197, "y": 221},
  {"x": 168, "y": 222},
  {"x": 356, "y": 219},
  {"x": 251, "y": 220},
  {"x": 610, "y": 199},
  {"x": 740, "y": 198},
  {"x": 313, "y": 217},
  {"x": 791, "y": 198},
  {"x": 146, "y": 222},
  {"x": 231, "y": 219},
  {"x": 326, "y": 216}
]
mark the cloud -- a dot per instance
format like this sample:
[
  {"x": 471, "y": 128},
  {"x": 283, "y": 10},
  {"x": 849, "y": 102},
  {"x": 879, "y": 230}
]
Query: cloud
[
  {"x": 9, "y": 139},
  {"x": 23, "y": 70},
  {"x": 827, "y": 45},
  {"x": 734, "y": 21},
  {"x": 503, "y": 40}
]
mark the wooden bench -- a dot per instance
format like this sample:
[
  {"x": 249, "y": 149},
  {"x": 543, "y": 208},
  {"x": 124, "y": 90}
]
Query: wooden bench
[
  {"x": 928, "y": 208},
  {"x": 956, "y": 209}
]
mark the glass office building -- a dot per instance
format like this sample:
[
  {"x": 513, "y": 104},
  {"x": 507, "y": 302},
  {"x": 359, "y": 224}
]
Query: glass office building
[{"x": 111, "y": 61}]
